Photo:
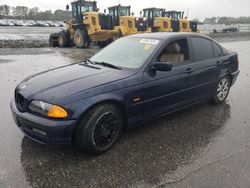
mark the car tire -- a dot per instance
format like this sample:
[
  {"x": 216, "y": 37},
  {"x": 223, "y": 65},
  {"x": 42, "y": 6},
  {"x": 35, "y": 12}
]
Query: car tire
[
  {"x": 81, "y": 39},
  {"x": 222, "y": 90},
  {"x": 99, "y": 129}
]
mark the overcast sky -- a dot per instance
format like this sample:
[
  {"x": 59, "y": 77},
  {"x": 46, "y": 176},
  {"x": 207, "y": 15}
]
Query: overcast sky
[{"x": 197, "y": 8}]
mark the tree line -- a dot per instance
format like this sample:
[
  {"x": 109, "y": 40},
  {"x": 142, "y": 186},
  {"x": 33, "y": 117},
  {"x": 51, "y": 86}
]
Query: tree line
[
  {"x": 227, "y": 20},
  {"x": 23, "y": 12}
]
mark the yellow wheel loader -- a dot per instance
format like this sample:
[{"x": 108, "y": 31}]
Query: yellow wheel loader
[
  {"x": 179, "y": 23},
  {"x": 86, "y": 26},
  {"x": 123, "y": 20},
  {"x": 155, "y": 20}
]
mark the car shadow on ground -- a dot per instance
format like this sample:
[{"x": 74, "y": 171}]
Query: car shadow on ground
[{"x": 142, "y": 155}]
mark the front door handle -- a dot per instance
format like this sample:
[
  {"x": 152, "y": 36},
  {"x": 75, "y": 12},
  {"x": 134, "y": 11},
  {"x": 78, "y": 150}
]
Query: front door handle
[{"x": 189, "y": 70}]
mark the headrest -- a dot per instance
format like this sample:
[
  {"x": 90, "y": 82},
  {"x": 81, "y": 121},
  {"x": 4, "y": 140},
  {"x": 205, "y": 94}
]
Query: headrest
[{"x": 173, "y": 48}]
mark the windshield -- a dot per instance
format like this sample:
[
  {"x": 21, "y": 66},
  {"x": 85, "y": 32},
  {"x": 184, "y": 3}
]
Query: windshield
[
  {"x": 123, "y": 11},
  {"x": 87, "y": 8},
  {"x": 127, "y": 52},
  {"x": 157, "y": 13}
]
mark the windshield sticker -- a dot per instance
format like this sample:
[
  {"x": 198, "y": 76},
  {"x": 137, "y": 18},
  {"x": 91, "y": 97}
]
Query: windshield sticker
[
  {"x": 147, "y": 47},
  {"x": 149, "y": 41}
]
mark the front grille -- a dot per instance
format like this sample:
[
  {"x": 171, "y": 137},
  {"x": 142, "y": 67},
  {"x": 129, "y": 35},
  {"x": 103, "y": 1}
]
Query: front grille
[
  {"x": 106, "y": 22},
  {"x": 141, "y": 25},
  {"x": 21, "y": 102}
]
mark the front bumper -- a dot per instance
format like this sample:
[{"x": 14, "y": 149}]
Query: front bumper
[{"x": 43, "y": 130}]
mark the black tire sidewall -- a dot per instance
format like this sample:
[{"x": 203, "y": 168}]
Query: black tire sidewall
[
  {"x": 65, "y": 40},
  {"x": 85, "y": 40},
  {"x": 52, "y": 43},
  {"x": 85, "y": 129}
]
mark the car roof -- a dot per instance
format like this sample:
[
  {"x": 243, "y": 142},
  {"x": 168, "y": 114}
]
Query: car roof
[{"x": 165, "y": 35}]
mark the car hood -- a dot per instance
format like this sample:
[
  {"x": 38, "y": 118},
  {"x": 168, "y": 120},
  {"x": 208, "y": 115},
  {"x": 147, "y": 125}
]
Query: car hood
[{"x": 62, "y": 82}]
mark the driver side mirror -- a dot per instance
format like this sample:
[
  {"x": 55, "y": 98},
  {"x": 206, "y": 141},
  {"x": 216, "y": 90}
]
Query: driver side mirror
[
  {"x": 162, "y": 66},
  {"x": 67, "y": 7}
]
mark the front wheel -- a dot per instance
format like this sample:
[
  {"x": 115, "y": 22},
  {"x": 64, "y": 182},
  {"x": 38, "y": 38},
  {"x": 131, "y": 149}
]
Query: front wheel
[
  {"x": 99, "y": 129},
  {"x": 222, "y": 90},
  {"x": 81, "y": 39}
]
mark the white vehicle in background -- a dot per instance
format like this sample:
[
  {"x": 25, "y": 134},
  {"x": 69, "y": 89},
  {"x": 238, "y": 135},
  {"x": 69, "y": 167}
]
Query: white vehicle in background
[{"x": 3, "y": 23}]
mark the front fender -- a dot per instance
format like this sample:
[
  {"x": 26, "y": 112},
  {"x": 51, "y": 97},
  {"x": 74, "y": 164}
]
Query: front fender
[{"x": 78, "y": 108}]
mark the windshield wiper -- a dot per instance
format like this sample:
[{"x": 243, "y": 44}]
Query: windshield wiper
[
  {"x": 108, "y": 65},
  {"x": 86, "y": 64},
  {"x": 88, "y": 60}
]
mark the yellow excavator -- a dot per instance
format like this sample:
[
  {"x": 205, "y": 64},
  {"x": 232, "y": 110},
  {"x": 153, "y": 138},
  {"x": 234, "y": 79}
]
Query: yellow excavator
[{"x": 87, "y": 25}]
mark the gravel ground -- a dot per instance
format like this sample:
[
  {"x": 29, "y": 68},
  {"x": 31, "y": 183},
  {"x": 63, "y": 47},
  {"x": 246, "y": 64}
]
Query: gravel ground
[{"x": 23, "y": 43}]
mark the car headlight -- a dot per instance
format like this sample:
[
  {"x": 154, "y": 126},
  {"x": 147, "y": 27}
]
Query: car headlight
[{"x": 46, "y": 109}]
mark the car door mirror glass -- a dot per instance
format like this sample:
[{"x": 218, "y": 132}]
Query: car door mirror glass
[{"x": 162, "y": 66}]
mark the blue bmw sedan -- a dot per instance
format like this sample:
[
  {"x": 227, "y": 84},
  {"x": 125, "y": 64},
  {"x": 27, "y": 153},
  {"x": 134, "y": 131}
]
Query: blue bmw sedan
[{"x": 134, "y": 79}]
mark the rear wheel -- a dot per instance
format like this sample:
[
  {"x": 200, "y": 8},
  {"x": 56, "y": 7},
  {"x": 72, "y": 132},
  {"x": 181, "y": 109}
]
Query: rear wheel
[
  {"x": 99, "y": 129},
  {"x": 63, "y": 40},
  {"x": 81, "y": 39},
  {"x": 222, "y": 90}
]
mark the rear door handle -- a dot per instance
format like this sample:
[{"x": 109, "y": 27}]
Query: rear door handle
[
  {"x": 189, "y": 70},
  {"x": 218, "y": 63}
]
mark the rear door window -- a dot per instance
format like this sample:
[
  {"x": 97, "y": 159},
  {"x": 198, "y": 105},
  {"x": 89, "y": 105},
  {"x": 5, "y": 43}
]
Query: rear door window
[
  {"x": 203, "y": 49},
  {"x": 217, "y": 50}
]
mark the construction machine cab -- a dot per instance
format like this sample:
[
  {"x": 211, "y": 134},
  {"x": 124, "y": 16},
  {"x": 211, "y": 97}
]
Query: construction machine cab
[
  {"x": 179, "y": 23},
  {"x": 156, "y": 20},
  {"x": 117, "y": 11},
  {"x": 123, "y": 20},
  {"x": 151, "y": 14},
  {"x": 80, "y": 7}
]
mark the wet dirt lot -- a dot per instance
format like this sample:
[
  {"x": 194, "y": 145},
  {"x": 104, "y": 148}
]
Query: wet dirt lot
[{"x": 203, "y": 146}]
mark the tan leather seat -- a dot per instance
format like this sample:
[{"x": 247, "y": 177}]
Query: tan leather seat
[{"x": 172, "y": 54}]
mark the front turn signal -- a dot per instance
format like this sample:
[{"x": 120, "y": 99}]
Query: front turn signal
[{"x": 57, "y": 112}]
